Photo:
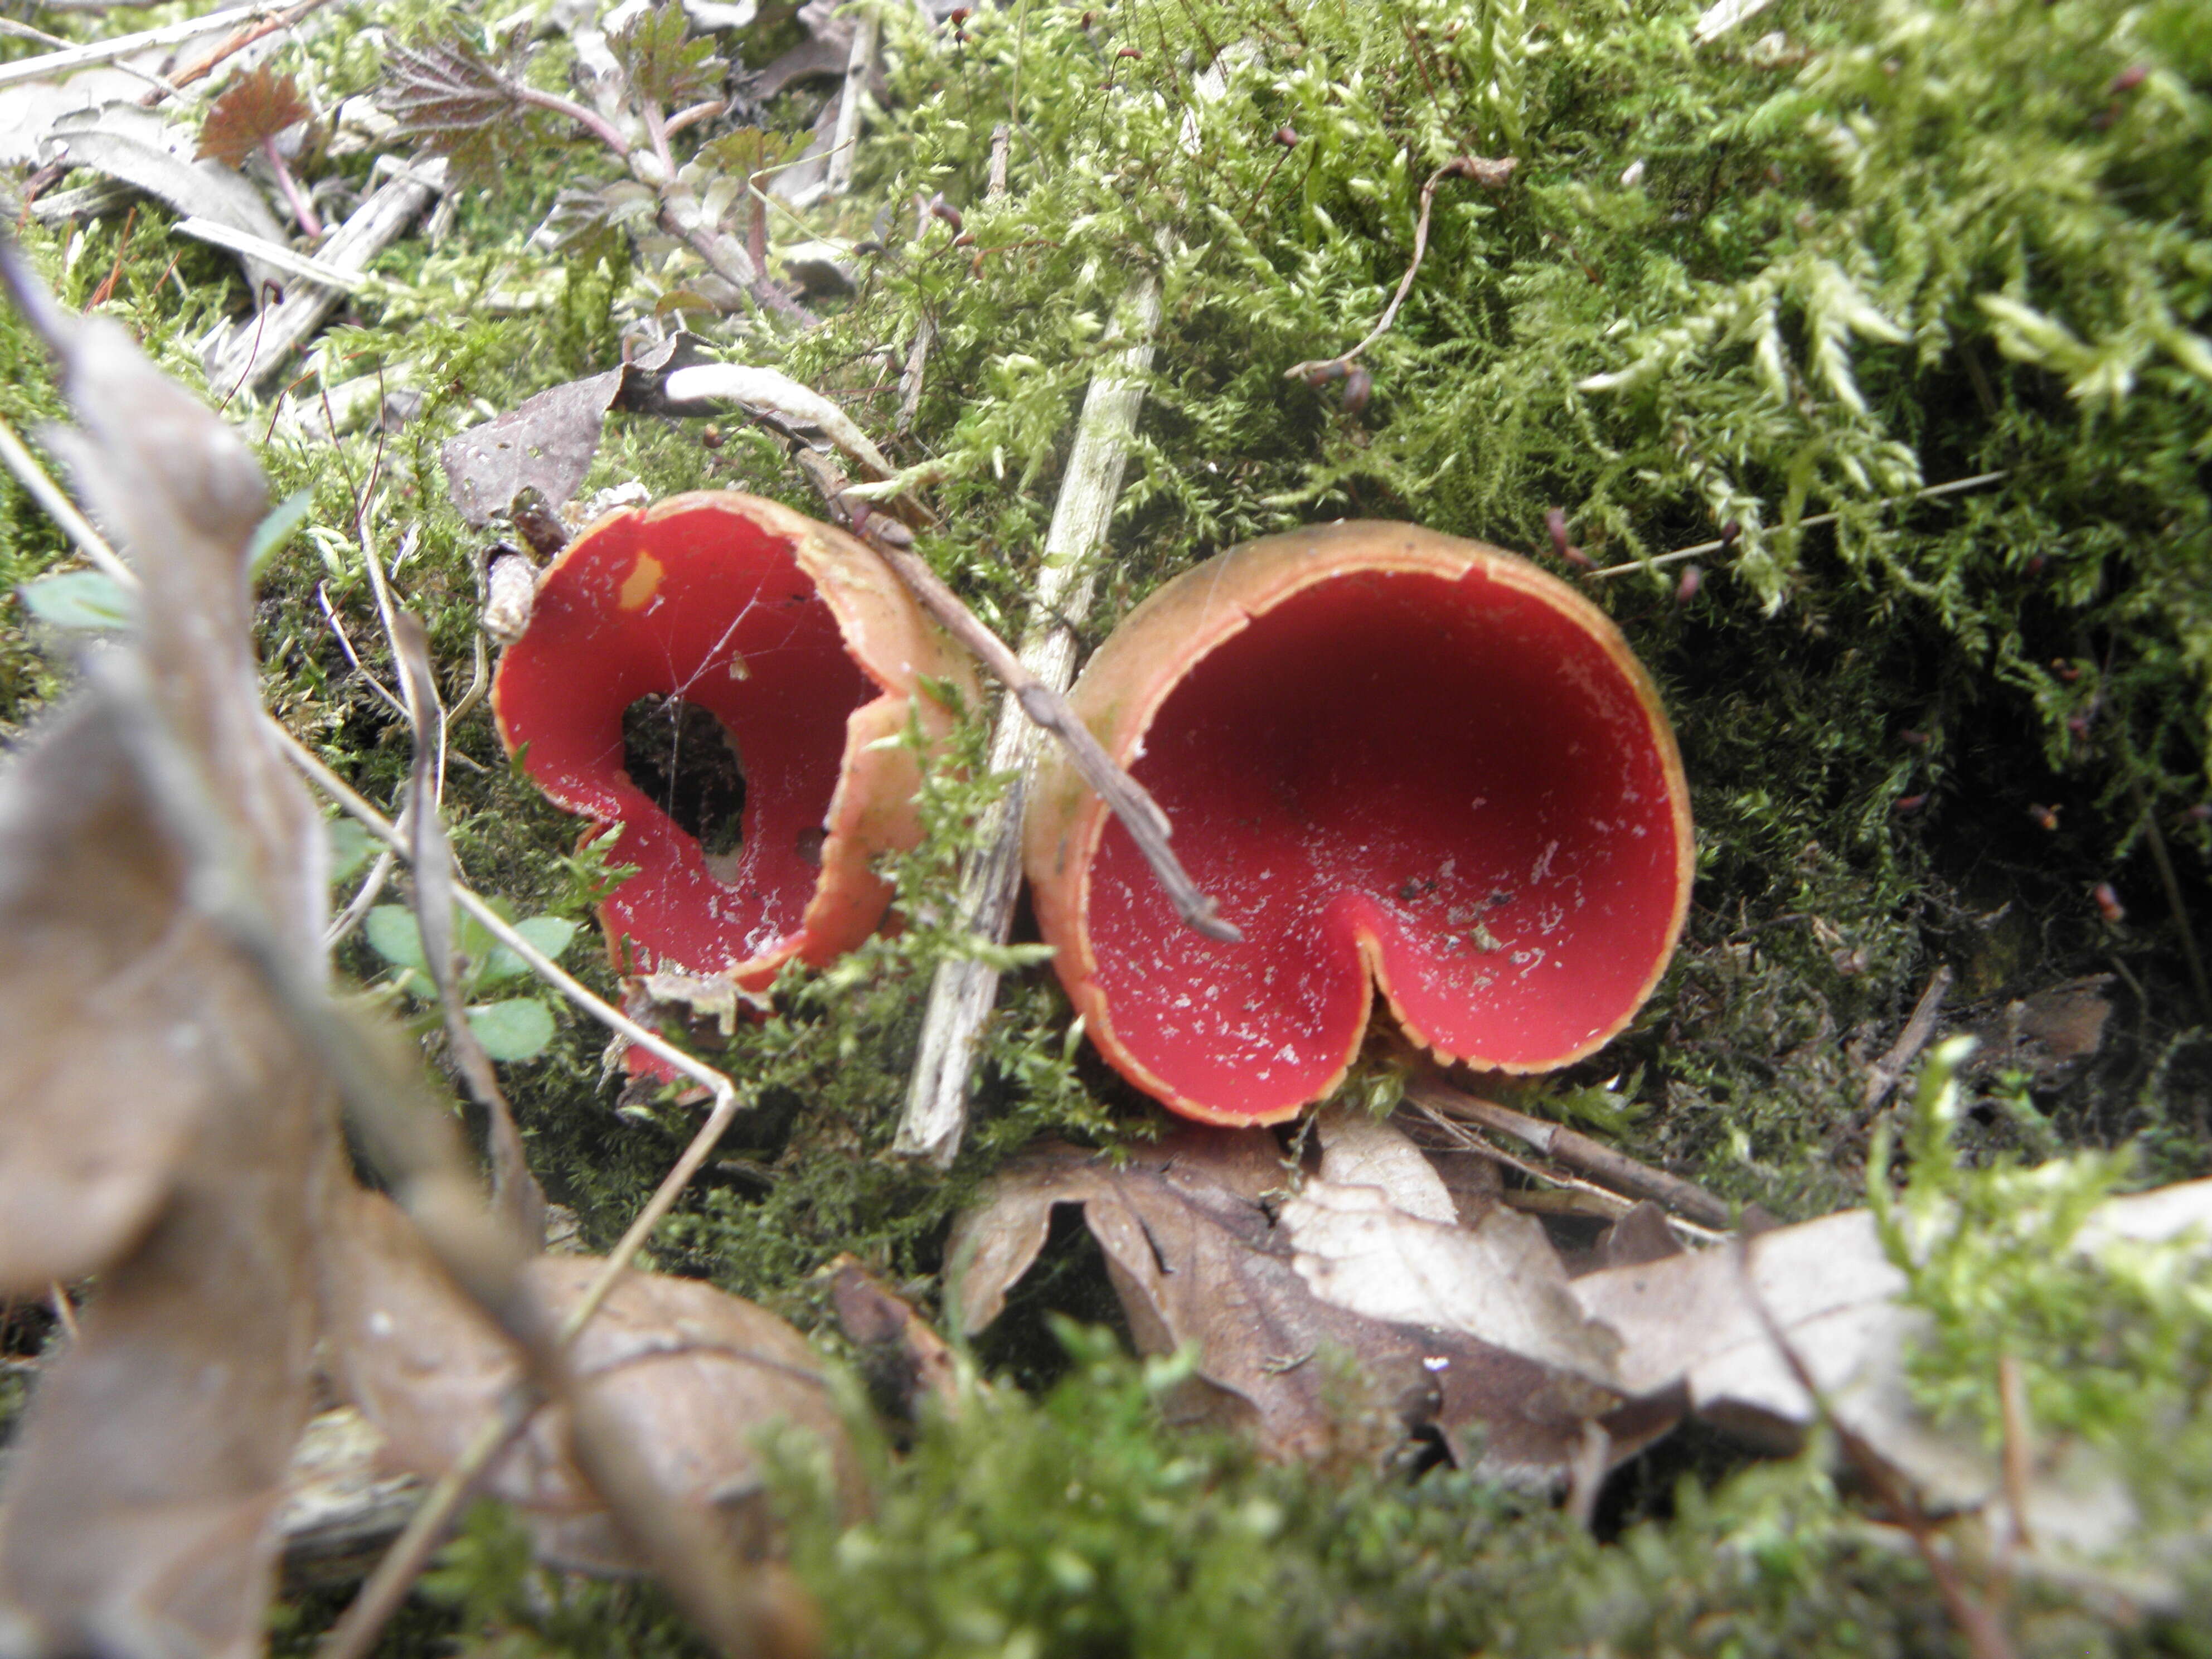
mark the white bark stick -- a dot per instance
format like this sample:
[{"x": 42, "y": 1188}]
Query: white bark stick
[
  {"x": 259, "y": 349},
  {"x": 867, "y": 31},
  {"x": 961, "y": 993}
]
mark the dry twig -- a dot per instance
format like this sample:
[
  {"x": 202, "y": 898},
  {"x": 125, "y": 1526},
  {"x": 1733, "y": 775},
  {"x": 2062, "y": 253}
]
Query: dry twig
[
  {"x": 1975, "y": 1618},
  {"x": 1577, "y": 1152},
  {"x": 1909, "y": 1041}
]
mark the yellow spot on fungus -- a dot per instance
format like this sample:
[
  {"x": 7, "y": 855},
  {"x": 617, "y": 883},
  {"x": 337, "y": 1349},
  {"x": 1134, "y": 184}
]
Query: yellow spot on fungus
[{"x": 642, "y": 582}]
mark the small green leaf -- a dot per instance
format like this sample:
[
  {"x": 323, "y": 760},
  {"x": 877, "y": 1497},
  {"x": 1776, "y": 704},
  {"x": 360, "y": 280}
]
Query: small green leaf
[
  {"x": 517, "y": 1029},
  {"x": 548, "y": 934},
  {"x": 273, "y": 532},
  {"x": 82, "y": 600},
  {"x": 349, "y": 846},
  {"x": 394, "y": 935}
]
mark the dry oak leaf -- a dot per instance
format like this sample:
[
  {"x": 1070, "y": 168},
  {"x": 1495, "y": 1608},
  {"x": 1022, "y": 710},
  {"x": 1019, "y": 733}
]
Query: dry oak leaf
[{"x": 1198, "y": 1262}]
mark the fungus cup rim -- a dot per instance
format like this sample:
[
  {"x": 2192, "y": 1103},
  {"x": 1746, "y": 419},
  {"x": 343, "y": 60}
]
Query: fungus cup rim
[
  {"x": 1160, "y": 645},
  {"x": 899, "y": 652}
]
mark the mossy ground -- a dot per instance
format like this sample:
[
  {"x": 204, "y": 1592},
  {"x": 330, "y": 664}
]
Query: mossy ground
[{"x": 1843, "y": 253}]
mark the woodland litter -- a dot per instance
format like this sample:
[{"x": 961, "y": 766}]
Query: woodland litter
[{"x": 1193, "y": 826}]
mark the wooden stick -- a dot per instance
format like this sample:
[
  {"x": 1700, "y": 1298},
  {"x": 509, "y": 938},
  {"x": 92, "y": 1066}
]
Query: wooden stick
[
  {"x": 259, "y": 349},
  {"x": 1577, "y": 1152},
  {"x": 961, "y": 992},
  {"x": 51, "y": 64},
  {"x": 1909, "y": 1041},
  {"x": 860, "y": 64},
  {"x": 1131, "y": 801}
]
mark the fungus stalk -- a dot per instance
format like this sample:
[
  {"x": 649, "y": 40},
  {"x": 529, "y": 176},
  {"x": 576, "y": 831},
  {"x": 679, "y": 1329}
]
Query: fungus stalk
[{"x": 961, "y": 993}]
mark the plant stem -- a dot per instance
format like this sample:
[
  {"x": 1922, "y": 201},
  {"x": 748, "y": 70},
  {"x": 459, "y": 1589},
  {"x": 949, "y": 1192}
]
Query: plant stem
[{"x": 303, "y": 210}]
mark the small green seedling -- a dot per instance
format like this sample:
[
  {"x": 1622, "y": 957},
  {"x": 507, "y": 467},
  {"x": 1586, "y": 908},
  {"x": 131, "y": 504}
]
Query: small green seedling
[{"x": 511, "y": 1029}]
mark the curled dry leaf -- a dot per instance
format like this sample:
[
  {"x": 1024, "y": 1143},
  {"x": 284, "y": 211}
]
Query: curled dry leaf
[
  {"x": 1198, "y": 1262},
  {"x": 160, "y": 1124},
  {"x": 687, "y": 1375}
]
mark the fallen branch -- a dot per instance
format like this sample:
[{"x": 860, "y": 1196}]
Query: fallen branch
[
  {"x": 1577, "y": 1152},
  {"x": 257, "y": 352}
]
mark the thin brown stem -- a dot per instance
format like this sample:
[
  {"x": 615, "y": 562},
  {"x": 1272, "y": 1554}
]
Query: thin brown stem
[
  {"x": 1130, "y": 802},
  {"x": 1578, "y": 1151},
  {"x": 1974, "y": 1617},
  {"x": 1483, "y": 171}
]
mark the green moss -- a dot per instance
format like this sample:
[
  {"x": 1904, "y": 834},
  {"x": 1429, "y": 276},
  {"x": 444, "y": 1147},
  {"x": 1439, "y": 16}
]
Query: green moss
[{"x": 1845, "y": 251}]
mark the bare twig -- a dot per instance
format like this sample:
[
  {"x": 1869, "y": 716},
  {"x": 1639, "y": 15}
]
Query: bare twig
[
  {"x": 1574, "y": 1195},
  {"x": 514, "y": 1190},
  {"x": 1047, "y": 709},
  {"x": 9, "y": 26},
  {"x": 1483, "y": 171},
  {"x": 1957, "y": 486},
  {"x": 345, "y": 644},
  {"x": 225, "y": 51},
  {"x": 51, "y": 64},
  {"x": 1891, "y": 1067},
  {"x": 2171, "y": 883},
  {"x": 1975, "y": 1620},
  {"x": 860, "y": 64},
  {"x": 372, "y": 889},
  {"x": 255, "y": 357},
  {"x": 1578, "y": 1151}
]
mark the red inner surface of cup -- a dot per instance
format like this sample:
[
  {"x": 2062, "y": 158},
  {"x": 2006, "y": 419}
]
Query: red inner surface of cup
[
  {"x": 1452, "y": 778},
  {"x": 706, "y": 606}
]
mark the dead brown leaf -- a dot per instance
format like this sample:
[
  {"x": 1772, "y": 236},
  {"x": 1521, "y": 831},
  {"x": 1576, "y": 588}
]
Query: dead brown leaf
[
  {"x": 909, "y": 1366},
  {"x": 1709, "y": 1323},
  {"x": 1198, "y": 1262},
  {"x": 685, "y": 1375},
  {"x": 160, "y": 1124},
  {"x": 546, "y": 444}
]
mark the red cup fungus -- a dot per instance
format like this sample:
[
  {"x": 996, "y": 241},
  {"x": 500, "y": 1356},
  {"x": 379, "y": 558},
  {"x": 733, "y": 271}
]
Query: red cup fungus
[
  {"x": 769, "y": 656},
  {"x": 1397, "y": 758}
]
